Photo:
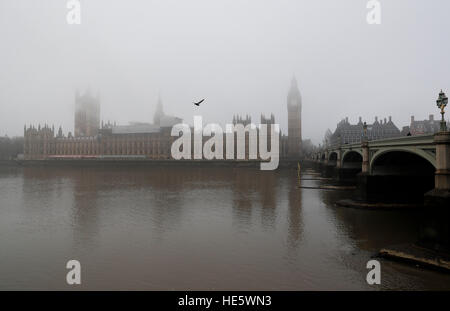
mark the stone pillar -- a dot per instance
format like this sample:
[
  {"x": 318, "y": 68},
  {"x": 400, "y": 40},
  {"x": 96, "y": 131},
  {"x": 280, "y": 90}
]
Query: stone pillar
[
  {"x": 339, "y": 158},
  {"x": 366, "y": 160},
  {"x": 442, "y": 175},
  {"x": 435, "y": 226},
  {"x": 440, "y": 195},
  {"x": 364, "y": 185}
]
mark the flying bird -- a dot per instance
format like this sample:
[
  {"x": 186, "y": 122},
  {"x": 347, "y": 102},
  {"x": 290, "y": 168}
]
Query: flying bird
[{"x": 198, "y": 104}]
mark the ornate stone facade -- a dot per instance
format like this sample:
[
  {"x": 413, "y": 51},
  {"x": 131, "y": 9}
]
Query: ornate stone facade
[
  {"x": 91, "y": 140},
  {"x": 139, "y": 140},
  {"x": 423, "y": 127},
  {"x": 347, "y": 133}
]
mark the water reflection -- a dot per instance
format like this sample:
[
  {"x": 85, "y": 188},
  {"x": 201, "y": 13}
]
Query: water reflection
[
  {"x": 294, "y": 217},
  {"x": 135, "y": 227},
  {"x": 372, "y": 228}
]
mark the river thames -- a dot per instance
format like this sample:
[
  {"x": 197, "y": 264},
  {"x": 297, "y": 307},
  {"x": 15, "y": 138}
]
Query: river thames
[{"x": 191, "y": 228}]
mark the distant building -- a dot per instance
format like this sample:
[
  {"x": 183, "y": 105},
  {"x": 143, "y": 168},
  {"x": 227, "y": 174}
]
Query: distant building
[
  {"x": 87, "y": 114},
  {"x": 347, "y": 133},
  {"x": 423, "y": 127},
  {"x": 136, "y": 140},
  {"x": 108, "y": 140},
  {"x": 10, "y": 148},
  {"x": 237, "y": 119},
  {"x": 140, "y": 139}
]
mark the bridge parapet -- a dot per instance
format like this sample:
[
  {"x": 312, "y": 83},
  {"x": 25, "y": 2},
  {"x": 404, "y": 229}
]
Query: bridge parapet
[{"x": 417, "y": 140}]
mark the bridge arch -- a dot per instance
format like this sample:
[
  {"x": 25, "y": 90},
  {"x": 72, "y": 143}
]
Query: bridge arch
[
  {"x": 411, "y": 151},
  {"x": 333, "y": 157},
  {"x": 404, "y": 173},
  {"x": 346, "y": 152},
  {"x": 352, "y": 159}
]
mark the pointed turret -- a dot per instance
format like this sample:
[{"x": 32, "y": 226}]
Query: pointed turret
[
  {"x": 294, "y": 97},
  {"x": 159, "y": 113}
]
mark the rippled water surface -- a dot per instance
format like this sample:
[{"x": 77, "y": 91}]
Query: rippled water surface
[{"x": 188, "y": 228}]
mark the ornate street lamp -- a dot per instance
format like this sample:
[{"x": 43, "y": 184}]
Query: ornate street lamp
[{"x": 441, "y": 103}]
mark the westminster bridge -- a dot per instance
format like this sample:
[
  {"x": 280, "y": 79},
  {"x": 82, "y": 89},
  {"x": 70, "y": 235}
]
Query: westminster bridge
[{"x": 394, "y": 168}]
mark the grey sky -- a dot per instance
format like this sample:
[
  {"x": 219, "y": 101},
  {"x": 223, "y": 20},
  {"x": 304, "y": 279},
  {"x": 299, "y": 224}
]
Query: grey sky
[{"x": 239, "y": 55}]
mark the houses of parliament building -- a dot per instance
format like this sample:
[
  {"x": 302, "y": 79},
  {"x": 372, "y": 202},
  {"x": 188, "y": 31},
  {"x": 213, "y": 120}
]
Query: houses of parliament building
[{"x": 92, "y": 139}]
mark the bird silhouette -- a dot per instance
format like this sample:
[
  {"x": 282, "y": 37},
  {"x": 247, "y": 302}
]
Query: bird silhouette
[{"x": 198, "y": 104}]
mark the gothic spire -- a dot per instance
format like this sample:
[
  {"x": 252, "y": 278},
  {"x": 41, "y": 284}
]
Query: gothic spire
[
  {"x": 159, "y": 113},
  {"x": 294, "y": 97}
]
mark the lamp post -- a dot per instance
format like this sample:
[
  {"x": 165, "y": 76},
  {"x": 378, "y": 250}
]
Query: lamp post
[{"x": 441, "y": 102}]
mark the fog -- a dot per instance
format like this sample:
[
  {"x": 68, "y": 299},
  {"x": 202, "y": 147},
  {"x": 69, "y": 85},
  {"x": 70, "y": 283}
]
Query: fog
[{"x": 239, "y": 55}]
